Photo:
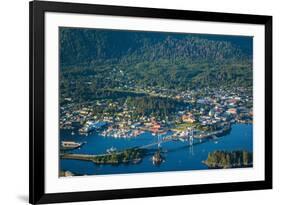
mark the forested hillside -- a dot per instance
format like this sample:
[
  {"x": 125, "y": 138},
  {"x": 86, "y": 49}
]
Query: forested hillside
[{"x": 108, "y": 59}]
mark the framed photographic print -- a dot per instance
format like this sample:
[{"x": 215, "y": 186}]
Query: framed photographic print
[{"x": 140, "y": 102}]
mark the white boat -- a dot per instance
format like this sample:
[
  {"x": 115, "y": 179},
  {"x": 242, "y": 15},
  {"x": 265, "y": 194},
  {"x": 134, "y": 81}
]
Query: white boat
[
  {"x": 70, "y": 144},
  {"x": 111, "y": 150}
]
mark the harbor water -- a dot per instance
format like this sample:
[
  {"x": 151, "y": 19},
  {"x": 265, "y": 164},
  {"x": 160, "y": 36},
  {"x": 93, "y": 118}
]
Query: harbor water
[{"x": 179, "y": 156}]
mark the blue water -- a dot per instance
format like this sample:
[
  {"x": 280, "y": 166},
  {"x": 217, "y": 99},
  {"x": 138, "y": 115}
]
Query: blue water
[{"x": 179, "y": 156}]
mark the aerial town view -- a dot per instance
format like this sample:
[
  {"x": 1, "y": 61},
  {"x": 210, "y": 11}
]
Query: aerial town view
[{"x": 139, "y": 101}]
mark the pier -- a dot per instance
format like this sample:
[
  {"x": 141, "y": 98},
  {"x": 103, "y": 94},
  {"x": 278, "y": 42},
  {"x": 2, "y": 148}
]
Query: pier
[{"x": 131, "y": 155}]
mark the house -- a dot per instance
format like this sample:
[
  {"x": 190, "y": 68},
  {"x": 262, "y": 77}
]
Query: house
[
  {"x": 232, "y": 111},
  {"x": 188, "y": 118}
]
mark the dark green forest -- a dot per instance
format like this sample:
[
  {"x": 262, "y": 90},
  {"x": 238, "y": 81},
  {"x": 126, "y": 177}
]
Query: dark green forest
[
  {"x": 95, "y": 61},
  {"x": 225, "y": 159},
  {"x": 157, "y": 106}
]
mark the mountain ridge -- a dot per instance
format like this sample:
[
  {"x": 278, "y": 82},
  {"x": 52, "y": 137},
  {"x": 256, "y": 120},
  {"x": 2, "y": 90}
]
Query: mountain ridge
[
  {"x": 114, "y": 58},
  {"x": 78, "y": 46}
]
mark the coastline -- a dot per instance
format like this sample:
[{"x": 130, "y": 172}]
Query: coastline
[{"x": 172, "y": 151}]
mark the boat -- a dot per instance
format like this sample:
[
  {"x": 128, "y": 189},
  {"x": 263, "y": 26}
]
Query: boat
[
  {"x": 111, "y": 150},
  {"x": 70, "y": 144}
]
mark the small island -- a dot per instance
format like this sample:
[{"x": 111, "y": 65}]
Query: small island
[{"x": 229, "y": 159}]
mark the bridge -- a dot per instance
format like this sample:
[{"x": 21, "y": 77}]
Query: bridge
[
  {"x": 166, "y": 139},
  {"x": 183, "y": 137}
]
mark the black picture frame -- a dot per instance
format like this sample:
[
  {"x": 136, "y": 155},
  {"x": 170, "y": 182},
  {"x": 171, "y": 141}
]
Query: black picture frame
[{"x": 37, "y": 10}]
